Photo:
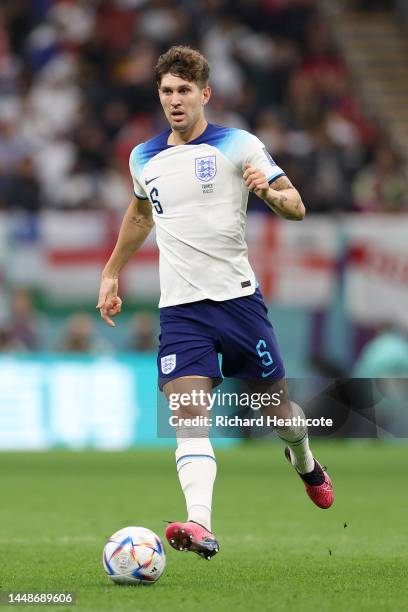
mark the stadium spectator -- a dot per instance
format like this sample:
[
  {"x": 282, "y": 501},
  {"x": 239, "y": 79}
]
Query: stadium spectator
[
  {"x": 21, "y": 189},
  {"x": 7, "y": 344},
  {"x": 80, "y": 336},
  {"x": 25, "y": 326},
  {"x": 324, "y": 173},
  {"x": 384, "y": 360},
  {"x": 382, "y": 185},
  {"x": 143, "y": 332},
  {"x": 385, "y": 355}
]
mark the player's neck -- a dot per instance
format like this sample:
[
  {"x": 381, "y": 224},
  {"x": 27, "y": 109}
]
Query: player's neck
[{"x": 180, "y": 138}]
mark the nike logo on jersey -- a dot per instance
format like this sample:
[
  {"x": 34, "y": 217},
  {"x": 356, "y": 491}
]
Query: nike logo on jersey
[
  {"x": 265, "y": 374},
  {"x": 150, "y": 180}
]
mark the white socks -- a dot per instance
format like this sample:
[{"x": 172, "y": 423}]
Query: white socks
[
  {"x": 197, "y": 468},
  {"x": 297, "y": 439}
]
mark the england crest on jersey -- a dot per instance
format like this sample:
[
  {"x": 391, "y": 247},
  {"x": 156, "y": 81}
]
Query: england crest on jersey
[
  {"x": 168, "y": 363},
  {"x": 206, "y": 167}
]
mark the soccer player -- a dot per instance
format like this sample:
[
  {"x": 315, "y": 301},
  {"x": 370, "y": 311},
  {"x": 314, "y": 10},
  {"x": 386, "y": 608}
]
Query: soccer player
[{"x": 192, "y": 183}]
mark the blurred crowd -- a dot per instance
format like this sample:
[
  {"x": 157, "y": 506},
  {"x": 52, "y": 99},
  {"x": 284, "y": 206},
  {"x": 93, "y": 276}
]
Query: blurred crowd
[
  {"x": 26, "y": 329},
  {"x": 77, "y": 94}
]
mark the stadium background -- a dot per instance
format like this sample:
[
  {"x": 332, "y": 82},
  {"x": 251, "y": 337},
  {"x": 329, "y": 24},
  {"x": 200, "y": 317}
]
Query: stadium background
[
  {"x": 314, "y": 81},
  {"x": 324, "y": 84}
]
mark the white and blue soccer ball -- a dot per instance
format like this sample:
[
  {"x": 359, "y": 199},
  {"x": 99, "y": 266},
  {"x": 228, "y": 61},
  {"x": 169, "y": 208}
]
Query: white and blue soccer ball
[{"x": 134, "y": 555}]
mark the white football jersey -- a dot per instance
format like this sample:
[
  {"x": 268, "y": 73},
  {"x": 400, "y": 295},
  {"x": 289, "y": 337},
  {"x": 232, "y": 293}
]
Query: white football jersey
[{"x": 199, "y": 202}]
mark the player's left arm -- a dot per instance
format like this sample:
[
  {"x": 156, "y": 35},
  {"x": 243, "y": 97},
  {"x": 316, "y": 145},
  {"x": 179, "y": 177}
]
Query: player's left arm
[{"x": 281, "y": 196}]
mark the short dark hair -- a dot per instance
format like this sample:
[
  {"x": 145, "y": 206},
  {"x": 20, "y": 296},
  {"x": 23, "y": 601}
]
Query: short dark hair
[{"x": 184, "y": 62}]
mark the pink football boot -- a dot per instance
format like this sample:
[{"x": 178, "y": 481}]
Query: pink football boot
[
  {"x": 192, "y": 537},
  {"x": 321, "y": 494}
]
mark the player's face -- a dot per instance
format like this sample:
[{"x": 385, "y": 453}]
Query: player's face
[{"x": 182, "y": 101}]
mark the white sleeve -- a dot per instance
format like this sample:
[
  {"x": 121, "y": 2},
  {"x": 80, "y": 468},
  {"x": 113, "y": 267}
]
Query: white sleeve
[
  {"x": 135, "y": 174},
  {"x": 256, "y": 155}
]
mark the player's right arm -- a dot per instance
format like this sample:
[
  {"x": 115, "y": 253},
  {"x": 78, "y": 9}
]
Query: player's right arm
[{"x": 135, "y": 228}]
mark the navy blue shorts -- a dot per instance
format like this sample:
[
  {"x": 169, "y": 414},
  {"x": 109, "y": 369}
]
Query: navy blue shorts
[{"x": 192, "y": 336}]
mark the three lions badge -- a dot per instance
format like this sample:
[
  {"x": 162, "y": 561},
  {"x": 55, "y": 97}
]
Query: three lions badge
[
  {"x": 168, "y": 363},
  {"x": 206, "y": 168}
]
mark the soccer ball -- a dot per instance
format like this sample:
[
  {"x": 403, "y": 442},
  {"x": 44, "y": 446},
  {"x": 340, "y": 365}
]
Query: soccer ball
[{"x": 134, "y": 555}]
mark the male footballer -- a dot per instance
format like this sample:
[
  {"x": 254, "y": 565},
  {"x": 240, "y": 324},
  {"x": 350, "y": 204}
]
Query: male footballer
[{"x": 192, "y": 182}]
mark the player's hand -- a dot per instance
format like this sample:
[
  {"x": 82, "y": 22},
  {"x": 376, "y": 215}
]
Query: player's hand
[
  {"x": 256, "y": 181},
  {"x": 109, "y": 303}
]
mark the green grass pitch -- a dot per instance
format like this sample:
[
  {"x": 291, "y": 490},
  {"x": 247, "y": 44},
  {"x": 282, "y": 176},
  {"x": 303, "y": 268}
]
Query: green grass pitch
[{"x": 278, "y": 552}]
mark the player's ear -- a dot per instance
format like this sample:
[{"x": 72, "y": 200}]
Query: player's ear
[{"x": 206, "y": 95}]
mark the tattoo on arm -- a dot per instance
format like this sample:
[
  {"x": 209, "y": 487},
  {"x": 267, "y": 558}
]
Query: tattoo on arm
[
  {"x": 284, "y": 183},
  {"x": 136, "y": 220},
  {"x": 141, "y": 213},
  {"x": 280, "y": 202},
  {"x": 288, "y": 203}
]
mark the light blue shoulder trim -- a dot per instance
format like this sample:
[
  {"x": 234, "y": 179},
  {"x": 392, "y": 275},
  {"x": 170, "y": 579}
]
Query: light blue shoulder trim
[
  {"x": 229, "y": 141},
  {"x": 146, "y": 150}
]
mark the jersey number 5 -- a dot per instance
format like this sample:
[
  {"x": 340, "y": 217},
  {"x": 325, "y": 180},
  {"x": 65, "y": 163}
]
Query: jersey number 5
[{"x": 156, "y": 203}]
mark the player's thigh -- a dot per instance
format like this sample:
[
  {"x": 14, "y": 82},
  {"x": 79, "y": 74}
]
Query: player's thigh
[
  {"x": 187, "y": 344},
  {"x": 249, "y": 345},
  {"x": 191, "y": 394}
]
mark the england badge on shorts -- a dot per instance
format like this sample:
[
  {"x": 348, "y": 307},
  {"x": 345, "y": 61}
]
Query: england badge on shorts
[
  {"x": 206, "y": 167},
  {"x": 168, "y": 364}
]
